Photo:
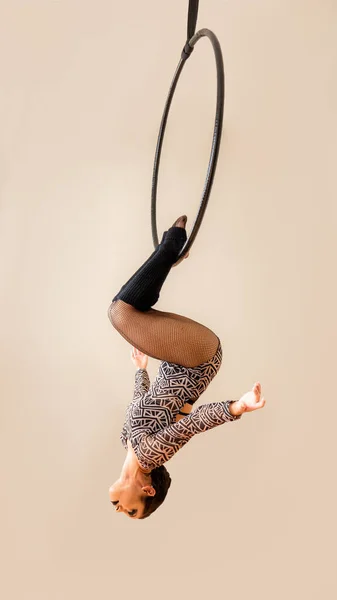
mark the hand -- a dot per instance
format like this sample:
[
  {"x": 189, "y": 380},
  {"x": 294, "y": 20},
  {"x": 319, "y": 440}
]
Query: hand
[
  {"x": 252, "y": 400},
  {"x": 138, "y": 358}
]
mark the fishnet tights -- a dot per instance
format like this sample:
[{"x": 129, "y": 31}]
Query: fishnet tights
[{"x": 163, "y": 335}]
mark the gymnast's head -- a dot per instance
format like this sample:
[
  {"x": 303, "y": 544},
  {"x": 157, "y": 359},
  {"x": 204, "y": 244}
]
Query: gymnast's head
[{"x": 139, "y": 496}]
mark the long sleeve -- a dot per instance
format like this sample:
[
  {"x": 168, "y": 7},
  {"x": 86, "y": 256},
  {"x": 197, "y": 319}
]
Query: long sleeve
[
  {"x": 142, "y": 383},
  {"x": 160, "y": 447}
]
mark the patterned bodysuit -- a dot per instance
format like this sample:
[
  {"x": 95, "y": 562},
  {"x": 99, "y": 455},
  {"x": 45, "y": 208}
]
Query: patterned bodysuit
[{"x": 150, "y": 424}]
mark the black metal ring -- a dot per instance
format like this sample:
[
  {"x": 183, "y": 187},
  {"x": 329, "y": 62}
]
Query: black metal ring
[{"x": 215, "y": 143}]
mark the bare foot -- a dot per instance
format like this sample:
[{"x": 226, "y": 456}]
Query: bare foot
[{"x": 181, "y": 222}]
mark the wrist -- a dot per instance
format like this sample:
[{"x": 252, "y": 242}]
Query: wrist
[{"x": 236, "y": 408}]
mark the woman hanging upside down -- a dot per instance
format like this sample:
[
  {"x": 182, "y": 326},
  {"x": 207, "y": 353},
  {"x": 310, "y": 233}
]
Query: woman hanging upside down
[{"x": 159, "y": 421}]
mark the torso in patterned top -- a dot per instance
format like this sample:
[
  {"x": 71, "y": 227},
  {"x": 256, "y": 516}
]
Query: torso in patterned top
[{"x": 150, "y": 422}]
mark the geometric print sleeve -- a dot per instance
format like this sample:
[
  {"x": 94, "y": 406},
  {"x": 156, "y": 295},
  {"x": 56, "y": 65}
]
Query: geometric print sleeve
[
  {"x": 156, "y": 449},
  {"x": 142, "y": 383}
]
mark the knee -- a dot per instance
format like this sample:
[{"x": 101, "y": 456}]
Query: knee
[
  {"x": 112, "y": 313},
  {"x": 118, "y": 311}
]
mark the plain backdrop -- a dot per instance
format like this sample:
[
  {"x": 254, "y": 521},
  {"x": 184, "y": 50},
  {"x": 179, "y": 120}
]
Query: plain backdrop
[{"x": 252, "y": 507}]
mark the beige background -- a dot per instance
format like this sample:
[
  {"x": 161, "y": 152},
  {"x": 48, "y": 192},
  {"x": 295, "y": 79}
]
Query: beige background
[{"x": 251, "y": 510}]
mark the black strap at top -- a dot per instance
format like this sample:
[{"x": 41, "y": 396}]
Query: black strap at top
[
  {"x": 192, "y": 18},
  {"x": 191, "y": 26}
]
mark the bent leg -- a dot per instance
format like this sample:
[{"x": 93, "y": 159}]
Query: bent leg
[{"x": 163, "y": 335}]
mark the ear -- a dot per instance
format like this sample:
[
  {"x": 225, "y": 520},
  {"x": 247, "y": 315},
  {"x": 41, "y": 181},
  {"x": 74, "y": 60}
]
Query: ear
[{"x": 149, "y": 490}]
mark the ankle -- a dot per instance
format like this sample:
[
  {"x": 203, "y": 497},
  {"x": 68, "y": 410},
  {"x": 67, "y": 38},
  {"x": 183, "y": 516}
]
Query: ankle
[{"x": 174, "y": 241}]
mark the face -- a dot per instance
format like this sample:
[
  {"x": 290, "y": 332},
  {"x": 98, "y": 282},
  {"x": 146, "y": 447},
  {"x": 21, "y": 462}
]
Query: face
[{"x": 129, "y": 498}]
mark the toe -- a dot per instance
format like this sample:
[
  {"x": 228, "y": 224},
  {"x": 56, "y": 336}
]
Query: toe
[{"x": 181, "y": 221}]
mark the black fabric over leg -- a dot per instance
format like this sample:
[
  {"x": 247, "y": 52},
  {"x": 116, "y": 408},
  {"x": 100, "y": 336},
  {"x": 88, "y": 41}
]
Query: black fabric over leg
[{"x": 142, "y": 290}]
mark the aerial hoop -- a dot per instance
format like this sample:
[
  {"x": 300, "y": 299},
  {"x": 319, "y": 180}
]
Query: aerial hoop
[{"x": 187, "y": 51}]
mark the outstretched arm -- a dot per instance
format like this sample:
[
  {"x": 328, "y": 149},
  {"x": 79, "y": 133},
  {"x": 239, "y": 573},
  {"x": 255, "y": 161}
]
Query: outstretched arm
[{"x": 158, "y": 448}]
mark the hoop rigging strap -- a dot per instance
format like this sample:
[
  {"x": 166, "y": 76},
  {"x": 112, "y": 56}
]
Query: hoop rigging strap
[
  {"x": 192, "y": 40},
  {"x": 192, "y": 18},
  {"x": 191, "y": 26}
]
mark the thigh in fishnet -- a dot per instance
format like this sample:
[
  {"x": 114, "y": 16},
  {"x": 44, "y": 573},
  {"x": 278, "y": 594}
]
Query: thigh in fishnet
[{"x": 163, "y": 335}]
